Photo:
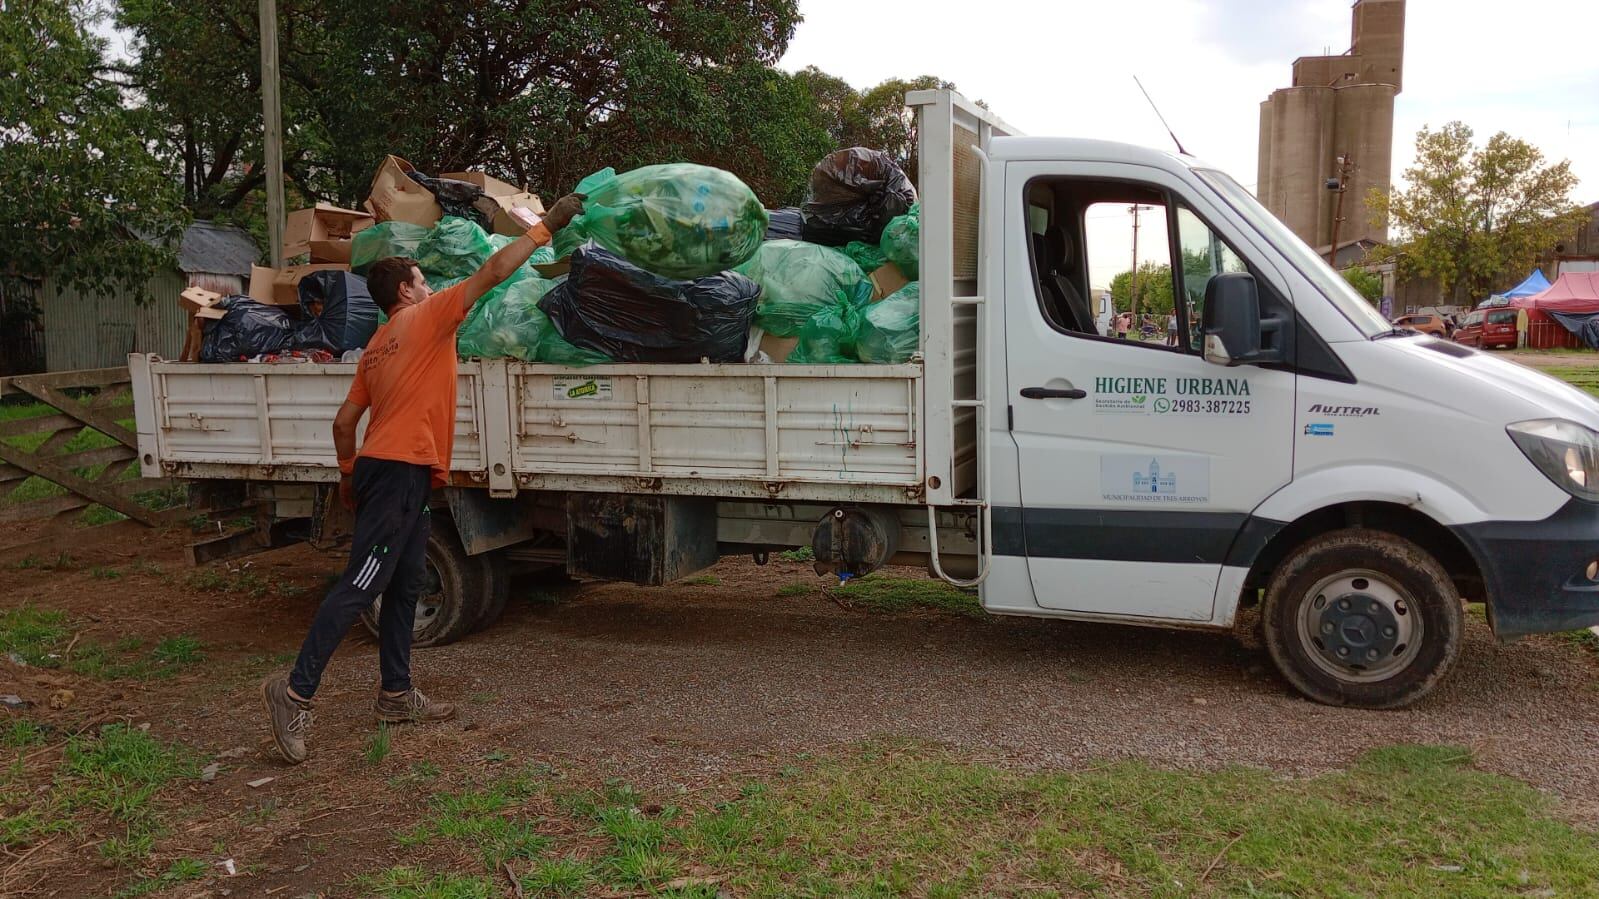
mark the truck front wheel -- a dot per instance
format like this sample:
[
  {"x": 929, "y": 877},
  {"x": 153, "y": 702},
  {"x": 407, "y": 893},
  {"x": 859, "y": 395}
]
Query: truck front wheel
[
  {"x": 450, "y": 601},
  {"x": 1362, "y": 618}
]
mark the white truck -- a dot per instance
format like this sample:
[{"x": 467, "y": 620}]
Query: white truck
[{"x": 1291, "y": 454}]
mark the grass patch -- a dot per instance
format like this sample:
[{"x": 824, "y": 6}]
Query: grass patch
[
  {"x": 22, "y": 733},
  {"x": 701, "y": 580},
  {"x": 378, "y": 745},
  {"x": 43, "y": 638},
  {"x": 899, "y": 819},
  {"x": 796, "y": 589},
  {"x": 182, "y": 870},
  {"x": 106, "y": 786},
  {"x": 403, "y": 882},
  {"x": 240, "y": 582},
  {"x": 803, "y": 554},
  {"x": 1583, "y": 377},
  {"x": 880, "y": 593},
  {"x": 104, "y": 574}
]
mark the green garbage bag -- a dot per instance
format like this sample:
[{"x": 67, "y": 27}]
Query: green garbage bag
[
  {"x": 828, "y": 336},
  {"x": 797, "y": 280},
  {"x": 507, "y": 322},
  {"x": 383, "y": 240},
  {"x": 869, "y": 257},
  {"x": 454, "y": 249},
  {"x": 902, "y": 241},
  {"x": 678, "y": 220},
  {"x": 890, "y": 329}
]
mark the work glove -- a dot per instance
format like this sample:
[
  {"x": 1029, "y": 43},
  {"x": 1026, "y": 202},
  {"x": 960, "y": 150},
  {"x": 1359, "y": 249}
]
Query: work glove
[{"x": 564, "y": 210}]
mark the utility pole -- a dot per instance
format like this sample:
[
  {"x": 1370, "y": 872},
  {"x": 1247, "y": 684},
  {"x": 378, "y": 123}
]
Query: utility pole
[
  {"x": 1132, "y": 284},
  {"x": 272, "y": 129},
  {"x": 1346, "y": 165}
]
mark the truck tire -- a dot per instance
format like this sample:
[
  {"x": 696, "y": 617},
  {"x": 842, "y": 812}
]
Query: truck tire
[
  {"x": 449, "y": 605},
  {"x": 1362, "y": 618},
  {"x": 496, "y": 577}
]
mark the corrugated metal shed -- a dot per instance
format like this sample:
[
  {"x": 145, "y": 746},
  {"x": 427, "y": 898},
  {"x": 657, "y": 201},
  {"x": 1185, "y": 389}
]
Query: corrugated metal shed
[{"x": 100, "y": 328}]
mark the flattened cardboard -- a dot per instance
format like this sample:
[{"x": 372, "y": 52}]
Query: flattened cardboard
[
  {"x": 322, "y": 222},
  {"x": 395, "y": 197},
  {"x": 281, "y": 287},
  {"x": 197, "y": 298},
  {"x": 553, "y": 270},
  {"x": 492, "y": 186},
  {"x": 886, "y": 280},
  {"x": 777, "y": 348}
]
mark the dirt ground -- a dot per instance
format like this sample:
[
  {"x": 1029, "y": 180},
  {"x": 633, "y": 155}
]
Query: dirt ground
[{"x": 690, "y": 688}]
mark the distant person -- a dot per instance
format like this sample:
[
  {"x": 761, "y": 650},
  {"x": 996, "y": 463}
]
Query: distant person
[
  {"x": 407, "y": 378},
  {"x": 1124, "y": 322},
  {"x": 1171, "y": 330}
]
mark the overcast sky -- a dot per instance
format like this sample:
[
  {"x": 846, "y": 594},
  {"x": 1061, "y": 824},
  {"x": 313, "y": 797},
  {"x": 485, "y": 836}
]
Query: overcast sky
[{"x": 1064, "y": 68}]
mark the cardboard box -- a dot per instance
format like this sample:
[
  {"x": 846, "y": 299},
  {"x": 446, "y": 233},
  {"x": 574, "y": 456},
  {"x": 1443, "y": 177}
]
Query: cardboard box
[
  {"x": 395, "y": 197},
  {"x": 492, "y": 186},
  {"x": 777, "y": 348},
  {"x": 886, "y": 280},
  {"x": 196, "y": 298},
  {"x": 322, "y": 223},
  {"x": 338, "y": 251},
  {"x": 511, "y": 219},
  {"x": 281, "y": 287}
]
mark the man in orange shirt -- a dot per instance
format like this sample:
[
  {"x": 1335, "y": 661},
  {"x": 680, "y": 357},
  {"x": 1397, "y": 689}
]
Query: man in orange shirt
[{"x": 407, "y": 378}]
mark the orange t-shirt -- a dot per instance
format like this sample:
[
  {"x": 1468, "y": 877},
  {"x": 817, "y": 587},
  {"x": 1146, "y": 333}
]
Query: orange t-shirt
[{"x": 407, "y": 377}]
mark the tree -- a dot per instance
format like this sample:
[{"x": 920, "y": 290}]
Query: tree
[
  {"x": 876, "y": 117},
  {"x": 89, "y": 203},
  {"x": 540, "y": 94},
  {"x": 1367, "y": 284},
  {"x": 1154, "y": 289},
  {"x": 1475, "y": 218}
]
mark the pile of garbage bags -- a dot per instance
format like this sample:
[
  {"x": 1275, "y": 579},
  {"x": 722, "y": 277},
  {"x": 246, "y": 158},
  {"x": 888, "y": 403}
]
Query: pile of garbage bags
[{"x": 676, "y": 263}]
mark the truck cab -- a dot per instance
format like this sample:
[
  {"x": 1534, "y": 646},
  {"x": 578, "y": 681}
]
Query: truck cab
[{"x": 1293, "y": 453}]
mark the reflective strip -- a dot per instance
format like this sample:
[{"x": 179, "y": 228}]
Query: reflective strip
[{"x": 365, "y": 572}]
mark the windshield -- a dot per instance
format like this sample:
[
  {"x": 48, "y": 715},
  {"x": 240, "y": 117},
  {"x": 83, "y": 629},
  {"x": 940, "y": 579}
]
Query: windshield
[{"x": 1332, "y": 285}]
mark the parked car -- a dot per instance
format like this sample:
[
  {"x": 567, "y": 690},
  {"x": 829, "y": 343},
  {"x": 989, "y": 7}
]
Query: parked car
[
  {"x": 1488, "y": 328},
  {"x": 1426, "y": 324}
]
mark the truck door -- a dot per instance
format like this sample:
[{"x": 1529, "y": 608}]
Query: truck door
[{"x": 1139, "y": 462}]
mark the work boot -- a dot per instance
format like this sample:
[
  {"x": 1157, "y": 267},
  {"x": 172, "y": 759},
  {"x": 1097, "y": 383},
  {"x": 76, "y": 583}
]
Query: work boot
[
  {"x": 290, "y": 717},
  {"x": 412, "y": 706}
]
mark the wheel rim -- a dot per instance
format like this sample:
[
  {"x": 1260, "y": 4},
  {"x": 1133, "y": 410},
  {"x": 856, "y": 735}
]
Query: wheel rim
[
  {"x": 1360, "y": 626},
  {"x": 428, "y": 605}
]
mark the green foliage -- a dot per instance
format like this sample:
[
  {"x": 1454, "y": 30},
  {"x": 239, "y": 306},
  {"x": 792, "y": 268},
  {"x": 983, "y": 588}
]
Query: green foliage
[
  {"x": 41, "y": 638},
  {"x": 1369, "y": 285},
  {"x": 802, "y": 554},
  {"x": 882, "y": 593},
  {"x": 875, "y": 117},
  {"x": 378, "y": 745},
  {"x": 1154, "y": 287},
  {"x": 70, "y": 136},
  {"x": 1477, "y": 217},
  {"x": 180, "y": 871}
]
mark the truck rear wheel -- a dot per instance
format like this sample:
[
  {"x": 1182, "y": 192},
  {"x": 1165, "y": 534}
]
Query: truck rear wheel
[
  {"x": 1362, "y": 618},
  {"x": 449, "y": 604},
  {"x": 496, "y": 576}
]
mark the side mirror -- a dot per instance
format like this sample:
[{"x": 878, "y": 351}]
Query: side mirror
[{"x": 1234, "y": 331}]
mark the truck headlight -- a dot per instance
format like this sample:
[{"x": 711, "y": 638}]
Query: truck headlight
[{"x": 1566, "y": 452}]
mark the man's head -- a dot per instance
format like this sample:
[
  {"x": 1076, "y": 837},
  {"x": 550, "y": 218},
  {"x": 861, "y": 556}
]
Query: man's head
[{"x": 396, "y": 282}]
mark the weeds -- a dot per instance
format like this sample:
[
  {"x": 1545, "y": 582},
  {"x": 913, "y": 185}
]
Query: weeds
[
  {"x": 104, "y": 574},
  {"x": 892, "y": 594},
  {"x": 180, "y": 871},
  {"x": 378, "y": 745},
  {"x": 795, "y": 589},
  {"x": 42, "y": 638},
  {"x": 803, "y": 554}
]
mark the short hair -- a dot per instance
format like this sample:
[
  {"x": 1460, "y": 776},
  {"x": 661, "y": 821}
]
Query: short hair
[{"x": 384, "y": 278}]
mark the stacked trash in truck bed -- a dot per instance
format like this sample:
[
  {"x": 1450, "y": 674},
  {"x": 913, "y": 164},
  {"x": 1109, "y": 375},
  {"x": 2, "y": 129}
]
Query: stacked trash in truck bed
[{"x": 669, "y": 263}]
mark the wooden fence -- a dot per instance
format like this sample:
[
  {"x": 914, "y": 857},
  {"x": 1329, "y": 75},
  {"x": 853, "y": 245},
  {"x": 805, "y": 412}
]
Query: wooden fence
[{"x": 79, "y": 401}]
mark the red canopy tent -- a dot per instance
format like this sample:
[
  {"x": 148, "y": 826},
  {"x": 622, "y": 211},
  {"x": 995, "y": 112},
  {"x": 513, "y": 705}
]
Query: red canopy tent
[{"x": 1574, "y": 294}]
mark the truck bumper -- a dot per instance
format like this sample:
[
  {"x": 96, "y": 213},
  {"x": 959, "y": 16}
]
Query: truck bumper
[{"x": 1535, "y": 572}]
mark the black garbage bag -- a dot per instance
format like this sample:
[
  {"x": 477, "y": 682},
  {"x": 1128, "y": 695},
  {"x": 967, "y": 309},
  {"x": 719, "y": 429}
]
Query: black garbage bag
[
  {"x": 784, "y": 224},
  {"x": 337, "y": 313},
  {"x": 248, "y": 329},
  {"x": 612, "y": 306},
  {"x": 852, "y": 195},
  {"x": 457, "y": 198}
]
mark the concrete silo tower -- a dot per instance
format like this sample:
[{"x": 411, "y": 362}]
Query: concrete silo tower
[{"x": 1335, "y": 122}]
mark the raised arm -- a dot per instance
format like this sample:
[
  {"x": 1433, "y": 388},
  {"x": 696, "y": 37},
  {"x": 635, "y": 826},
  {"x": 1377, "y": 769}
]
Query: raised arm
[{"x": 513, "y": 255}]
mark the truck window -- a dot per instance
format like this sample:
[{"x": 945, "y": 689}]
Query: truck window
[{"x": 1205, "y": 255}]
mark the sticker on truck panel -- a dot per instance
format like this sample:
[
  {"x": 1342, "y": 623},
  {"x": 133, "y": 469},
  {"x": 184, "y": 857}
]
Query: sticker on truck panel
[
  {"x": 1154, "y": 479},
  {"x": 1172, "y": 396},
  {"x": 582, "y": 388}
]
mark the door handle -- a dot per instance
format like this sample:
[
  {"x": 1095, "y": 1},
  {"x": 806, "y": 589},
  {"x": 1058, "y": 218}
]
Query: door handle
[{"x": 1053, "y": 393}]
